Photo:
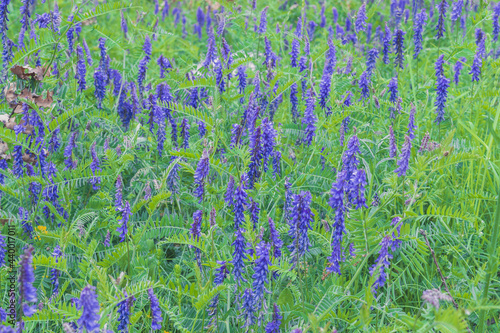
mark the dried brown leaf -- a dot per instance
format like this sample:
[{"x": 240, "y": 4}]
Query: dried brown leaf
[
  {"x": 29, "y": 158},
  {"x": 10, "y": 92}
]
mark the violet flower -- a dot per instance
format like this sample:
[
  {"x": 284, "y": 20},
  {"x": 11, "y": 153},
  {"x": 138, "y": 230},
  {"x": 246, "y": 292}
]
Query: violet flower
[
  {"x": 123, "y": 228},
  {"x": 155, "y": 310},
  {"x": 393, "y": 150},
  {"x": 381, "y": 264},
  {"x": 399, "y": 48},
  {"x": 404, "y": 158},
  {"x": 26, "y": 279},
  {"x": 239, "y": 254},
  {"x": 458, "y": 69},
  {"x": 442, "y": 7},
  {"x": 201, "y": 173},
  {"x": 263, "y": 21},
  {"x": 261, "y": 271},
  {"x": 386, "y": 44},
  {"x": 418, "y": 29},
  {"x": 442, "y": 85},
  {"x": 361, "y": 18},
  {"x": 301, "y": 216},
  {"x": 309, "y": 118}
]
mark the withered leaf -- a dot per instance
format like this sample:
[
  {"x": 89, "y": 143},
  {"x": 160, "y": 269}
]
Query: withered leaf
[
  {"x": 29, "y": 158},
  {"x": 10, "y": 92},
  {"x": 3, "y": 147},
  {"x": 47, "y": 102},
  {"x": 26, "y": 72}
]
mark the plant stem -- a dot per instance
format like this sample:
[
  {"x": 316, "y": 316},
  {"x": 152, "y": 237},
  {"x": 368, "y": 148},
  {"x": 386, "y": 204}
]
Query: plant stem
[{"x": 491, "y": 264}]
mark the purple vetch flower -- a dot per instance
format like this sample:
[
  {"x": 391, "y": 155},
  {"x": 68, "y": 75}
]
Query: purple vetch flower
[
  {"x": 18, "y": 161},
  {"x": 274, "y": 238},
  {"x": 123, "y": 228},
  {"x": 255, "y": 155},
  {"x": 236, "y": 133},
  {"x": 496, "y": 26},
  {"x": 381, "y": 264},
  {"x": 324, "y": 87},
  {"x": 100, "y": 86},
  {"x": 294, "y": 53},
  {"x": 211, "y": 52},
  {"x": 456, "y": 10},
  {"x": 411, "y": 123},
  {"x": 294, "y": 101},
  {"x": 201, "y": 173},
  {"x": 442, "y": 85},
  {"x": 442, "y": 14},
  {"x": 418, "y": 28},
  {"x": 164, "y": 65},
  {"x": 196, "y": 233},
  {"x": 404, "y": 158},
  {"x": 239, "y": 254},
  {"x": 94, "y": 167},
  {"x": 87, "y": 52},
  {"x": 356, "y": 189},
  {"x": 439, "y": 66},
  {"x": 331, "y": 58},
  {"x": 155, "y": 310},
  {"x": 309, "y": 118},
  {"x": 393, "y": 89},
  {"x": 26, "y": 278},
  {"x": 25, "y": 20},
  {"x": 478, "y": 58},
  {"x": 143, "y": 64},
  {"x": 202, "y": 128},
  {"x": 254, "y": 211},
  {"x": 276, "y": 164},
  {"x": 124, "y": 25},
  {"x": 458, "y": 69},
  {"x": 364, "y": 83},
  {"x": 263, "y": 21},
  {"x": 301, "y": 216},
  {"x": 274, "y": 325},
  {"x": 242, "y": 79},
  {"x": 220, "y": 275},
  {"x": 54, "y": 273},
  {"x": 361, "y": 18},
  {"x": 25, "y": 223},
  {"x": 371, "y": 60},
  {"x": 248, "y": 308},
  {"x": 396, "y": 242},
  {"x": 386, "y": 44},
  {"x": 107, "y": 239},
  {"x": 424, "y": 145},
  {"x": 393, "y": 149},
  {"x": 185, "y": 133},
  {"x": 81, "y": 69},
  {"x": 399, "y": 48},
  {"x": 229, "y": 196},
  {"x": 261, "y": 271},
  {"x": 219, "y": 79},
  {"x": 433, "y": 296}
]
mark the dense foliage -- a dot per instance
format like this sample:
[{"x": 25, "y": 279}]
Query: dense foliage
[{"x": 280, "y": 166}]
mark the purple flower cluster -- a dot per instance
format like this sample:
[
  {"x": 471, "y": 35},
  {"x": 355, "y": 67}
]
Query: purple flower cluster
[{"x": 201, "y": 174}]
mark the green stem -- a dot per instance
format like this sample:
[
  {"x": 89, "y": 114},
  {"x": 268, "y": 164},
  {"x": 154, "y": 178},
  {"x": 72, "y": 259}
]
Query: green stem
[{"x": 491, "y": 264}]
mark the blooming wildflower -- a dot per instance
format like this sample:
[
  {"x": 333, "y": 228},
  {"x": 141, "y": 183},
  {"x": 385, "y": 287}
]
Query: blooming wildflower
[
  {"x": 68, "y": 151},
  {"x": 356, "y": 189},
  {"x": 26, "y": 279},
  {"x": 393, "y": 89},
  {"x": 107, "y": 239},
  {"x": 256, "y": 156},
  {"x": 54, "y": 273},
  {"x": 25, "y": 223},
  {"x": 371, "y": 61},
  {"x": 164, "y": 65},
  {"x": 239, "y": 254},
  {"x": 185, "y": 133},
  {"x": 496, "y": 26},
  {"x": 123, "y": 228},
  {"x": 100, "y": 86},
  {"x": 196, "y": 233},
  {"x": 254, "y": 211},
  {"x": 411, "y": 123},
  {"x": 248, "y": 308},
  {"x": 310, "y": 29},
  {"x": 442, "y": 14},
  {"x": 274, "y": 325},
  {"x": 18, "y": 161},
  {"x": 294, "y": 100},
  {"x": 404, "y": 157},
  {"x": 124, "y": 308},
  {"x": 364, "y": 83},
  {"x": 418, "y": 28},
  {"x": 94, "y": 167},
  {"x": 439, "y": 66},
  {"x": 200, "y": 174},
  {"x": 274, "y": 238},
  {"x": 155, "y": 310},
  {"x": 302, "y": 216},
  {"x": 242, "y": 79},
  {"x": 398, "y": 46},
  {"x": 458, "y": 69},
  {"x": 338, "y": 227},
  {"x": 393, "y": 150},
  {"x": 361, "y": 18},
  {"x": 263, "y": 21},
  {"x": 25, "y": 21},
  {"x": 424, "y": 144},
  {"x": 386, "y": 44},
  {"x": 261, "y": 271},
  {"x": 325, "y": 86},
  {"x": 433, "y": 296},
  {"x": 211, "y": 52},
  {"x": 381, "y": 264},
  {"x": 309, "y": 118},
  {"x": 396, "y": 242},
  {"x": 143, "y": 64},
  {"x": 442, "y": 85},
  {"x": 331, "y": 58},
  {"x": 236, "y": 133},
  {"x": 294, "y": 53},
  {"x": 219, "y": 77},
  {"x": 456, "y": 10}
]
